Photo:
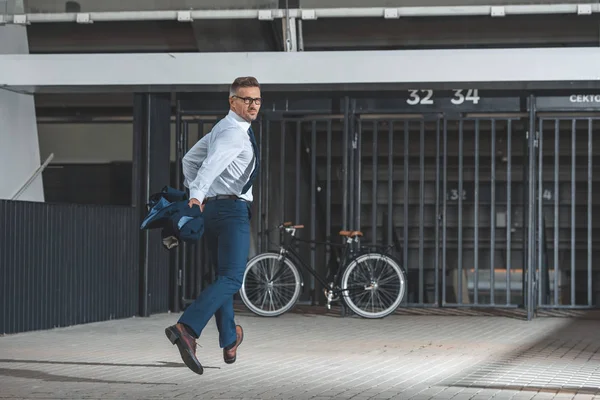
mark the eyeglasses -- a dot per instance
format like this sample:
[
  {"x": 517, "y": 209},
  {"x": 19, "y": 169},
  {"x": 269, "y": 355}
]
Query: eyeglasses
[{"x": 250, "y": 100}]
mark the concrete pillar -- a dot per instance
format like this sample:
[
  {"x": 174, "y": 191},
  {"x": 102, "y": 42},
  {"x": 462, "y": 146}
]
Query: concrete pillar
[
  {"x": 19, "y": 147},
  {"x": 151, "y": 172}
]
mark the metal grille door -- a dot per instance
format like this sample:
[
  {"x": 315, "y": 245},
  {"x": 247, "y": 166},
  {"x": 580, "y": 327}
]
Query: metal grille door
[
  {"x": 306, "y": 182},
  {"x": 567, "y": 205},
  {"x": 482, "y": 212}
]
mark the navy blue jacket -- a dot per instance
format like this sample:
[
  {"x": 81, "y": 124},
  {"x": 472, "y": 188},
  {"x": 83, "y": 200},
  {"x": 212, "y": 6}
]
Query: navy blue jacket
[{"x": 169, "y": 210}]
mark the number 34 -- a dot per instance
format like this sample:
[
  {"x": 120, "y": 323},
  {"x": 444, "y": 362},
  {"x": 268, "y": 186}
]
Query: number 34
[{"x": 459, "y": 98}]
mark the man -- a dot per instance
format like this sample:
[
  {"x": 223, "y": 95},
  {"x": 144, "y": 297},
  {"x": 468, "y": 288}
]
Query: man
[{"x": 219, "y": 170}]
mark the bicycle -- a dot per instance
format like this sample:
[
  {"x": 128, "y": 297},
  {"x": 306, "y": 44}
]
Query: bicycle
[{"x": 272, "y": 283}]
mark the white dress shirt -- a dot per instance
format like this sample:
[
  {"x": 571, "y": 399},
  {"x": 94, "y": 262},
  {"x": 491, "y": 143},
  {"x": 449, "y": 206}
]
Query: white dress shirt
[{"x": 221, "y": 162}]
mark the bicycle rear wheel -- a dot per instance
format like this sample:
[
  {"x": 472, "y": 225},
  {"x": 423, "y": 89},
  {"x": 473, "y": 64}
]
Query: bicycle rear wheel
[
  {"x": 271, "y": 286},
  {"x": 373, "y": 285}
]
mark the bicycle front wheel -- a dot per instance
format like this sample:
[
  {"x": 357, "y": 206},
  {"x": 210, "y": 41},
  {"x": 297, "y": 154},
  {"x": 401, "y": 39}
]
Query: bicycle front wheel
[
  {"x": 271, "y": 286},
  {"x": 373, "y": 285}
]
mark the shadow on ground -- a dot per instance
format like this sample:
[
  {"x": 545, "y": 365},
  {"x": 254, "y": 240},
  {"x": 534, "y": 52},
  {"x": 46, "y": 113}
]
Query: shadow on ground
[{"x": 44, "y": 376}]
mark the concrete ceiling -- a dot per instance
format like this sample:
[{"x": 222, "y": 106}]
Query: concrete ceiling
[{"x": 331, "y": 34}]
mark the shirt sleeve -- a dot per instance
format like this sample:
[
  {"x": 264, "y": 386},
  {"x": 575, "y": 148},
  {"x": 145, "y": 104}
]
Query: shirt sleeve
[
  {"x": 193, "y": 159},
  {"x": 223, "y": 149}
]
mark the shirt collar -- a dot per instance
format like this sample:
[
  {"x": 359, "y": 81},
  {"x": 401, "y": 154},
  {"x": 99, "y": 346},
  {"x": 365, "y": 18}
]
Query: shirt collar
[{"x": 239, "y": 120}]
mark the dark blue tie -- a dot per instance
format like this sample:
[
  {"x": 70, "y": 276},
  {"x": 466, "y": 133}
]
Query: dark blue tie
[{"x": 257, "y": 164}]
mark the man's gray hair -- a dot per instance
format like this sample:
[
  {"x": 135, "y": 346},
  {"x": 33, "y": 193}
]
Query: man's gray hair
[{"x": 244, "y": 81}]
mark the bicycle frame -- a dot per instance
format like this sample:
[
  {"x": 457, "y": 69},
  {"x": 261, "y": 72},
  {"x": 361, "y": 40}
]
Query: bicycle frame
[{"x": 286, "y": 249}]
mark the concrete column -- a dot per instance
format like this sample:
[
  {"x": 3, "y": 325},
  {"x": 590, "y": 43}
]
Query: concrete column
[
  {"x": 151, "y": 172},
  {"x": 19, "y": 147}
]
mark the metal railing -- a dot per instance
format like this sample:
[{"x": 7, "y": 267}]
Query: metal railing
[
  {"x": 33, "y": 177},
  {"x": 87, "y": 11}
]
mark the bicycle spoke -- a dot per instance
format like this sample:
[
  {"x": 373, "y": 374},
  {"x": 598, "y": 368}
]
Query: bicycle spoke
[
  {"x": 271, "y": 285},
  {"x": 374, "y": 284}
]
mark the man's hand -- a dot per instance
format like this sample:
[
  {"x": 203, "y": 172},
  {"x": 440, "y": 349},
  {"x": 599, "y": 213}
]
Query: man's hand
[{"x": 196, "y": 202}]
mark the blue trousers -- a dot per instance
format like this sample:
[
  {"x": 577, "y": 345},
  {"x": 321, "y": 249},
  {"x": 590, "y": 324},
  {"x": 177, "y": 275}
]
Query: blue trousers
[{"x": 227, "y": 231}]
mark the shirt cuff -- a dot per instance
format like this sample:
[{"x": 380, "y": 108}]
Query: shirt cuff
[{"x": 197, "y": 194}]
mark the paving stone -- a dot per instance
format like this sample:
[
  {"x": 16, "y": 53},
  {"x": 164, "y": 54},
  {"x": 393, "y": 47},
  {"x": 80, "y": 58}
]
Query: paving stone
[{"x": 302, "y": 356}]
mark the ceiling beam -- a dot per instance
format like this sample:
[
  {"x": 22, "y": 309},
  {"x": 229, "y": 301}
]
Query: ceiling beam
[{"x": 270, "y": 14}]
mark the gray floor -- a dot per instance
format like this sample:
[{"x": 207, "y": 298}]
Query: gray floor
[{"x": 308, "y": 356}]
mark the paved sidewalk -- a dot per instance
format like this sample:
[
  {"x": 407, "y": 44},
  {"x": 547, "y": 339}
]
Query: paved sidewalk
[{"x": 303, "y": 356}]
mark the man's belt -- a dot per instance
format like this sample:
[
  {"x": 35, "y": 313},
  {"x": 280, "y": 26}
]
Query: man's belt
[{"x": 224, "y": 197}]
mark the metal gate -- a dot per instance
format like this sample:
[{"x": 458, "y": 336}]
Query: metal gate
[
  {"x": 306, "y": 182},
  {"x": 481, "y": 213},
  {"x": 447, "y": 192},
  {"x": 566, "y": 152}
]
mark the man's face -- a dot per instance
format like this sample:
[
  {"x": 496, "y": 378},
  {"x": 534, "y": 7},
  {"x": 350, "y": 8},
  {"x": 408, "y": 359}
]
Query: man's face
[{"x": 244, "y": 105}]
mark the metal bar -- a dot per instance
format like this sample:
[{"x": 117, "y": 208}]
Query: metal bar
[
  {"x": 530, "y": 208},
  {"x": 455, "y": 10},
  {"x": 141, "y": 15},
  {"x": 445, "y": 212},
  {"x": 508, "y": 208},
  {"x": 358, "y": 190},
  {"x": 179, "y": 149},
  {"x": 348, "y": 12},
  {"x": 282, "y": 161},
  {"x": 144, "y": 278},
  {"x": 568, "y": 307},
  {"x": 179, "y": 153},
  {"x": 300, "y": 34},
  {"x": 313, "y": 206},
  {"x": 259, "y": 220},
  {"x": 589, "y": 213},
  {"x": 437, "y": 215},
  {"x": 460, "y": 208},
  {"x": 421, "y": 213},
  {"x": 267, "y": 185},
  {"x": 201, "y": 124},
  {"x": 493, "y": 214},
  {"x": 35, "y": 174},
  {"x": 390, "y": 177},
  {"x": 556, "y": 205},
  {"x": 298, "y": 168},
  {"x": 185, "y": 265},
  {"x": 190, "y": 283},
  {"x": 476, "y": 217},
  {"x": 328, "y": 193},
  {"x": 406, "y": 185},
  {"x": 374, "y": 195},
  {"x": 573, "y": 209},
  {"x": 345, "y": 150},
  {"x": 462, "y": 305},
  {"x": 352, "y": 170},
  {"x": 540, "y": 211}
]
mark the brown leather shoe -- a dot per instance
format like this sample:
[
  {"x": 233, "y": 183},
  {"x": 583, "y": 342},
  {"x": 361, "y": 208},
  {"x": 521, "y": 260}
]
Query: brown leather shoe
[
  {"x": 186, "y": 343},
  {"x": 229, "y": 356}
]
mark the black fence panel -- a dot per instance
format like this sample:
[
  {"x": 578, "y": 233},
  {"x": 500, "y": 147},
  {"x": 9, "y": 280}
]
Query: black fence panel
[
  {"x": 567, "y": 202},
  {"x": 66, "y": 264}
]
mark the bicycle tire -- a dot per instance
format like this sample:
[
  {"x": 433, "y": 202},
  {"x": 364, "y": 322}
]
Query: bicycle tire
[
  {"x": 399, "y": 273},
  {"x": 250, "y": 276}
]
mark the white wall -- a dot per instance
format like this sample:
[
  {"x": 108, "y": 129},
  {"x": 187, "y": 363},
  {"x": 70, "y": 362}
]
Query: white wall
[
  {"x": 19, "y": 149},
  {"x": 94, "y": 143}
]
